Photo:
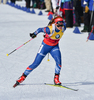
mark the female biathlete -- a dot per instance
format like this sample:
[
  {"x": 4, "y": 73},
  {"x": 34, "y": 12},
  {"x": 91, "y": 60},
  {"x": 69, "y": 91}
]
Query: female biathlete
[{"x": 53, "y": 34}]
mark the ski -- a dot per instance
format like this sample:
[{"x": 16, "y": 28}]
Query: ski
[{"x": 61, "y": 86}]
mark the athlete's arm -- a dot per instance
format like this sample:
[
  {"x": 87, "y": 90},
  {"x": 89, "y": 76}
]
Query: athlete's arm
[{"x": 44, "y": 30}]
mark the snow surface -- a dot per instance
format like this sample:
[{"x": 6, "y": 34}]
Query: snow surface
[{"x": 77, "y": 60}]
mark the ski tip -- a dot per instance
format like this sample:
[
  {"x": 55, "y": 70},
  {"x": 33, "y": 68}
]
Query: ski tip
[{"x": 76, "y": 89}]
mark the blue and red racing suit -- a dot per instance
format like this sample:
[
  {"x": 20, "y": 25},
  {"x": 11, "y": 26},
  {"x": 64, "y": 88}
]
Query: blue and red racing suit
[{"x": 49, "y": 45}]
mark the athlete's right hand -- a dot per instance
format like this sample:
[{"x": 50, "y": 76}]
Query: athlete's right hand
[{"x": 32, "y": 35}]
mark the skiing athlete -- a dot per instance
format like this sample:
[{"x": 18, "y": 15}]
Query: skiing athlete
[{"x": 50, "y": 44}]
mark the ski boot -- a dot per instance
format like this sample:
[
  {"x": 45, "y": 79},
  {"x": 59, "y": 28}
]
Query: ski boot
[
  {"x": 20, "y": 80},
  {"x": 56, "y": 80}
]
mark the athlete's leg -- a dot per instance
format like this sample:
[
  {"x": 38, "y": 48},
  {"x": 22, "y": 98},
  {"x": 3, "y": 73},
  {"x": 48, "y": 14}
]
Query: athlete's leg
[
  {"x": 56, "y": 54},
  {"x": 44, "y": 49},
  {"x": 36, "y": 62}
]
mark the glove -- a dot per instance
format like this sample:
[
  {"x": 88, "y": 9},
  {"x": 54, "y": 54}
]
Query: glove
[
  {"x": 32, "y": 35},
  {"x": 86, "y": 9}
]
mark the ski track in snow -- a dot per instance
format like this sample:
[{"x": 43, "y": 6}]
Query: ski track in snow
[{"x": 77, "y": 60}]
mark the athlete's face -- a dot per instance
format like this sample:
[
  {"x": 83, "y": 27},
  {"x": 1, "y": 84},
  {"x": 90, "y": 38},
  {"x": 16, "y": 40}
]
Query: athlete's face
[{"x": 59, "y": 26}]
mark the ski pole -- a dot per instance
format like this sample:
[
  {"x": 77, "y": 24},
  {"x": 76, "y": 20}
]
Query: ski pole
[
  {"x": 48, "y": 57},
  {"x": 18, "y": 47},
  {"x": 92, "y": 13}
]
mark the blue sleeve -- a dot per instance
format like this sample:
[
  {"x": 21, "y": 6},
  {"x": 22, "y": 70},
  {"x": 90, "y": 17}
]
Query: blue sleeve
[
  {"x": 44, "y": 30},
  {"x": 82, "y": 3},
  {"x": 86, "y": 0}
]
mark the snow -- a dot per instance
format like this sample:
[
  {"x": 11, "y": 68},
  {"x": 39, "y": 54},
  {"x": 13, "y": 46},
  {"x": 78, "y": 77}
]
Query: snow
[{"x": 77, "y": 60}]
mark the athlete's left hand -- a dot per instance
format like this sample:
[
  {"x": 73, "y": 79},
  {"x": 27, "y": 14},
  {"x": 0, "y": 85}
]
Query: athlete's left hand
[{"x": 32, "y": 35}]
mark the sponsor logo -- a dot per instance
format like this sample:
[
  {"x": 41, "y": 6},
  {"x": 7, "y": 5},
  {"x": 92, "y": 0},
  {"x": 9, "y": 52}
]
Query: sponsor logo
[{"x": 57, "y": 36}]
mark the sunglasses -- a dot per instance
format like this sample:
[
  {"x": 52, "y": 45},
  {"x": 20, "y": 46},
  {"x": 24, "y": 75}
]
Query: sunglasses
[
  {"x": 59, "y": 22},
  {"x": 59, "y": 25}
]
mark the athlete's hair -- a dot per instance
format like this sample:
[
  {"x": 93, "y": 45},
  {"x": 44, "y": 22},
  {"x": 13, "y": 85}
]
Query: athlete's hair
[{"x": 53, "y": 20}]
